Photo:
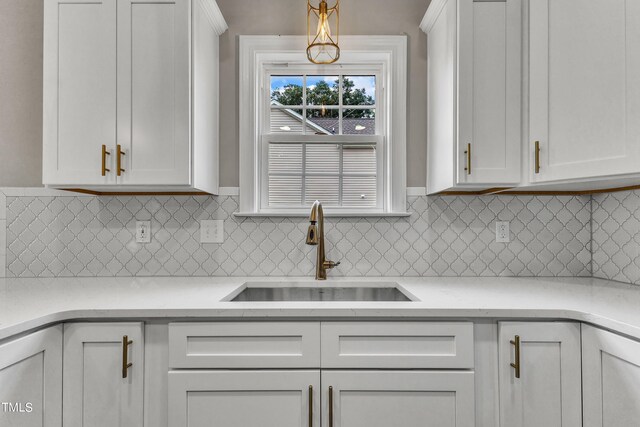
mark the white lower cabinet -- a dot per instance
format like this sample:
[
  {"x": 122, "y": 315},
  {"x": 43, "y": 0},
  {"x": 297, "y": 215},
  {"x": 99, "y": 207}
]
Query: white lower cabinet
[
  {"x": 539, "y": 374},
  {"x": 244, "y": 398},
  {"x": 31, "y": 380},
  {"x": 397, "y": 398},
  {"x": 101, "y": 389},
  {"x": 231, "y": 374},
  {"x": 611, "y": 379},
  {"x": 551, "y": 374}
]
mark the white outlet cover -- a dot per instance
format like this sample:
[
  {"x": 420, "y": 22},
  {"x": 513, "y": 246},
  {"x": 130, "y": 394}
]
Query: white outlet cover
[
  {"x": 502, "y": 232},
  {"x": 143, "y": 231},
  {"x": 212, "y": 231}
]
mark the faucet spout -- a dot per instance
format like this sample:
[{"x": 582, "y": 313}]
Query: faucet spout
[{"x": 315, "y": 237}]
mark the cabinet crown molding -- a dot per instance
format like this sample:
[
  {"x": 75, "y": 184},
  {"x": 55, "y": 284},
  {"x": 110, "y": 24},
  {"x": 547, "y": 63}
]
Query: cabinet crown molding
[
  {"x": 214, "y": 15},
  {"x": 433, "y": 11}
]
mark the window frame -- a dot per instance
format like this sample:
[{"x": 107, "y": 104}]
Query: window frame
[{"x": 382, "y": 56}]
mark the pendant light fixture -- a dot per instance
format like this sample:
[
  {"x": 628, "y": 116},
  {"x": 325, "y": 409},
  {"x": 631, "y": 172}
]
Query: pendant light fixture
[{"x": 322, "y": 41}]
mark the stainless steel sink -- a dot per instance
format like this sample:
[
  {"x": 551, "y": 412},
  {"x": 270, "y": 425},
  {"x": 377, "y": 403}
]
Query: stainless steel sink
[{"x": 320, "y": 292}]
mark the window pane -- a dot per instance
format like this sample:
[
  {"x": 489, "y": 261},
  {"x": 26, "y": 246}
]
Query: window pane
[
  {"x": 358, "y": 159},
  {"x": 323, "y": 121},
  {"x": 322, "y": 90},
  {"x": 286, "y": 120},
  {"x": 359, "y": 191},
  {"x": 286, "y": 90},
  {"x": 359, "y": 90},
  {"x": 285, "y": 190},
  {"x": 323, "y": 188},
  {"x": 359, "y": 122},
  {"x": 285, "y": 158},
  {"x": 323, "y": 158}
]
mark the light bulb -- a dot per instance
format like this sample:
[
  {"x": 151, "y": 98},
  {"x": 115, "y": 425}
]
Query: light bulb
[{"x": 324, "y": 30}]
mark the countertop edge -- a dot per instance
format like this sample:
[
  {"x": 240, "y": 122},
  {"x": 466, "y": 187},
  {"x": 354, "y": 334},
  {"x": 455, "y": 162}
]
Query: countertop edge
[{"x": 9, "y": 332}]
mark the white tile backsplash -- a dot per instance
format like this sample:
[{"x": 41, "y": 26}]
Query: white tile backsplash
[
  {"x": 3, "y": 205},
  {"x": 616, "y": 236},
  {"x": 53, "y": 234}
]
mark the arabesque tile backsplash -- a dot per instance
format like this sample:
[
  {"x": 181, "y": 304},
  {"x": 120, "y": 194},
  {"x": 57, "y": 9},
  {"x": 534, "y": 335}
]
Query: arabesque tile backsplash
[
  {"x": 69, "y": 235},
  {"x": 616, "y": 236}
]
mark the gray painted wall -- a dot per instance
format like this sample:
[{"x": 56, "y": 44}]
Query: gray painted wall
[
  {"x": 21, "y": 93},
  {"x": 21, "y": 75}
]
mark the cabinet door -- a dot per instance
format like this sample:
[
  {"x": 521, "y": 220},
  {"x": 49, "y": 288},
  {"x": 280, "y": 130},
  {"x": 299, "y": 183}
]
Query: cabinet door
[
  {"x": 31, "y": 380},
  {"x": 244, "y": 398},
  {"x": 489, "y": 91},
  {"x": 96, "y": 394},
  {"x": 397, "y": 398},
  {"x": 584, "y": 91},
  {"x": 153, "y": 92},
  {"x": 611, "y": 376},
  {"x": 79, "y": 90},
  {"x": 548, "y": 391}
]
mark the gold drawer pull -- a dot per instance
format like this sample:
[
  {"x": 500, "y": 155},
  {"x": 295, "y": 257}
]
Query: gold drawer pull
[
  {"x": 468, "y": 153},
  {"x": 537, "y": 153},
  {"x": 330, "y": 406},
  {"x": 105, "y": 153},
  {"x": 516, "y": 343},
  {"x": 310, "y": 406},
  {"x": 119, "y": 153},
  {"x": 126, "y": 342}
]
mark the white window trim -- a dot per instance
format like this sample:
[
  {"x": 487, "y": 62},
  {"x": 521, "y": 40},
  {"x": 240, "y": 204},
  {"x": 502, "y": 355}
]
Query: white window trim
[{"x": 256, "y": 52}]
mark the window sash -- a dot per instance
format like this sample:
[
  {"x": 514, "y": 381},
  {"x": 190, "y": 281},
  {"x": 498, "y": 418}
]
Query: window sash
[
  {"x": 347, "y": 142},
  {"x": 344, "y": 70},
  {"x": 383, "y": 202}
]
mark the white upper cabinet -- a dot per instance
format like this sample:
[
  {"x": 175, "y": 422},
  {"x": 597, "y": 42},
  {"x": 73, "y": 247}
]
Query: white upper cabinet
[
  {"x": 584, "y": 89},
  {"x": 79, "y": 90},
  {"x": 153, "y": 92},
  {"x": 474, "y": 87},
  {"x": 131, "y": 95}
]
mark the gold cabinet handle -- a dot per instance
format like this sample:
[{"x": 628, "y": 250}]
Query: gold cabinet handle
[
  {"x": 119, "y": 153},
  {"x": 468, "y": 153},
  {"x": 537, "y": 155},
  {"x": 105, "y": 153},
  {"x": 126, "y": 342},
  {"x": 310, "y": 406},
  {"x": 330, "y": 406},
  {"x": 516, "y": 343}
]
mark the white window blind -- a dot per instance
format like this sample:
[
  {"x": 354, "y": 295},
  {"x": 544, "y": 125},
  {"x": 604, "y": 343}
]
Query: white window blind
[{"x": 340, "y": 174}]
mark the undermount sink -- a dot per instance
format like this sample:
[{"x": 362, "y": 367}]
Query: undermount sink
[{"x": 321, "y": 291}]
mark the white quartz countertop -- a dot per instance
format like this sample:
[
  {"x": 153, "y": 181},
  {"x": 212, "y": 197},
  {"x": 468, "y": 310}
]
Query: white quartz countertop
[{"x": 27, "y": 304}]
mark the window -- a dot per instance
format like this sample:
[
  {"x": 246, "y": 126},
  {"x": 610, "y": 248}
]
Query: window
[
  {"x": 322, "y": 132},
  {"x": 322, "y": 141}
]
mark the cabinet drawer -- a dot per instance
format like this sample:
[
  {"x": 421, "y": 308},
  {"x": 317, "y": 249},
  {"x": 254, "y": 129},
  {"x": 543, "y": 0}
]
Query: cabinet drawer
[
  {"x": 401, "y": 345},
  {"x": 244, "y": 345}
]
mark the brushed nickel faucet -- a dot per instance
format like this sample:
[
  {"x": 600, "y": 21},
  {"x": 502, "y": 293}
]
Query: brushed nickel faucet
[{"x": 315, "y": 236}]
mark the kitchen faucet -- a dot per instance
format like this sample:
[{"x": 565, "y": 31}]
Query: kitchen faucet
[{"x": 315, "y": 236}]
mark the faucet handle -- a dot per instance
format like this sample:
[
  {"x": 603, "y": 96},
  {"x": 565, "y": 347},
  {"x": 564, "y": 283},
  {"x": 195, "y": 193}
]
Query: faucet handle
[{"x": 330, "y": 264}]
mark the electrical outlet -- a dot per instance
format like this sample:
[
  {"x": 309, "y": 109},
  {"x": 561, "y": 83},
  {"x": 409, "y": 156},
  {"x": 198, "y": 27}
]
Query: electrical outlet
[
  {"x": 143, "y": 231},
  {"x": 502, "y": 232},
  {"x": 212, "y": 231}
]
